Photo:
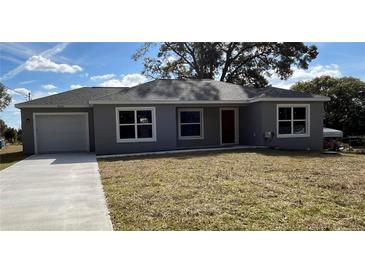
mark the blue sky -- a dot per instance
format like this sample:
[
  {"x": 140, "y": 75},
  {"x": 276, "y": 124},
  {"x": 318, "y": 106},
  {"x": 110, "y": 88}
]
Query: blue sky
[{"x": 48, "y": 68}]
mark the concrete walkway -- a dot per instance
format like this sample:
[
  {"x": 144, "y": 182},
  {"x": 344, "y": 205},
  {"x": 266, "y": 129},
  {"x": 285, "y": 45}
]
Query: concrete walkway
[{"x": 53, "y": 192}]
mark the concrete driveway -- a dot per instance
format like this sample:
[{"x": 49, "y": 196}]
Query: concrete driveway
[{"x": 53, "y": 192}]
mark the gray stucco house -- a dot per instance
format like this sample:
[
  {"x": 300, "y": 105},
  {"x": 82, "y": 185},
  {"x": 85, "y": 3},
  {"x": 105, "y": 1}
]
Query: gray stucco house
[{"x": 169, "y": 115}]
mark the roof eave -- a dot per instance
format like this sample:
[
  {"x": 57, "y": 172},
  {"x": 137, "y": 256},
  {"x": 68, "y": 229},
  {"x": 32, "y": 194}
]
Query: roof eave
[
  {"x": 291, "y": 99},
  {"x": 22, "y": 105},
  {"x": 166, "y": 102},
  {"x": 175, "y": 102}
]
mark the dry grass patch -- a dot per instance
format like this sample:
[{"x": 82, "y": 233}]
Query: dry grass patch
[
  {"x": 11, "y": 154},
  {"x": 236, "y": 190}
]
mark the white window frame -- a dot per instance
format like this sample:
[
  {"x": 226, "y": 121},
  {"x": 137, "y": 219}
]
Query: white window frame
[
  {"x": 292, "y": 120},
  {"x": 135, "y": 124},
  {"x": 201, "y": 111}
]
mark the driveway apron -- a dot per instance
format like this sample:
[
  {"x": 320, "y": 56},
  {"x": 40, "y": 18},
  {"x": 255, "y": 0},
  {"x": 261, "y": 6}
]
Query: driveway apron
[{"x": 53, "y": 192}]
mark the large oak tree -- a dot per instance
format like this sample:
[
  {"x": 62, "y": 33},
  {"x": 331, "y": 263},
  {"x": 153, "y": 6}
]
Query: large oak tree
[{"x": 247, "y": 63}]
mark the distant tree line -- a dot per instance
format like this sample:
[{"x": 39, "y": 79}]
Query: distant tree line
[
  {"x": 346, "y": 109},
  {"x": 11, "y": 135}
]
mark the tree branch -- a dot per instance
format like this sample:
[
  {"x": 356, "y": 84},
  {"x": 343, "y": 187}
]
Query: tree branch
[
  {"x": 230, "y": 77},
  {"x": 181, "y": 56},
  {"x": 230, "y": 61},
  {"x": 192, "y": 52},
  {"x": 227, "y": 63}
]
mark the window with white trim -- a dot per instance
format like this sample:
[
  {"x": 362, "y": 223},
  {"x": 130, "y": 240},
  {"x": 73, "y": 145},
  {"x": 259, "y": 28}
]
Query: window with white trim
[
  {"x": 136, "y": 124},
  {"x": 190, "y": 123},
  {"x": 293, "y": 120}
]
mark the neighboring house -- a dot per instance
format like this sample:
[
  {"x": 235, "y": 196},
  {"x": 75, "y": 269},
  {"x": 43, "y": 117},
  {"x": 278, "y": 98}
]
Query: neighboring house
[{"x": 172, "y": 114}]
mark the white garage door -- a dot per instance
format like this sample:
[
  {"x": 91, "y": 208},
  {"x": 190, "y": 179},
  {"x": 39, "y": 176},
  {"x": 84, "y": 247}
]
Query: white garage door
[{"x": 61, "y": 132}]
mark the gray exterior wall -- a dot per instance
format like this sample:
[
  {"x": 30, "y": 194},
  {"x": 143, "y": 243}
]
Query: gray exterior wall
[
  {"x": 27, "y": 126},
  {"x": 166, "y": 130},
  {"x": 257, "y": 118},
  {"x": 254, "y": 120},
  {"x": 105, "y": 134}
]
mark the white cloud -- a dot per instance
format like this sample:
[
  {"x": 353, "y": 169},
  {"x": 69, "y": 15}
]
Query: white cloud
[
  {"x": 75, "y": 86},
  {"x": 49, "y": 86},
  {"x": 46, "y": 54},
  {"x": 19, "y": 91},
  {"x": 102, "y": 77},
  {"x": 128, "y": 80},
  {"x": 304, "y": 75},
  {"x": 23, "y": 92},
  {"x": 11, "y": 59},
  {"x": 53, "y": 51},
  {"x": 17, "y": 49},
  {"x": 168, "y": 60},
  {"x": 40, "y": 63},
  {"x": 26, "y": 82},
  {"x": 39, "y": 94}
]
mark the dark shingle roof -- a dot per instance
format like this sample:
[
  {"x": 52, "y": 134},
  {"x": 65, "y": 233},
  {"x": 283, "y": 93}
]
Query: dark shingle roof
[
  {"x": 75, "y": 97},
  {"x": 170, "y": 90},
  {"x": 200, "y": 90}
]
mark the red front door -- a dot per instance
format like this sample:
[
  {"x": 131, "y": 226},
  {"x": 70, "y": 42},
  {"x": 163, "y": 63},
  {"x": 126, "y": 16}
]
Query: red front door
[{"x": 228, "y": 126}]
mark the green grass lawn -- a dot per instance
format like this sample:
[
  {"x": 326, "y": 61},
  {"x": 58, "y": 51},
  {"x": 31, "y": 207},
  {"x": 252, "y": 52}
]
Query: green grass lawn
[
  {"x": 236, "y": 190},
  {"x": 11, "y": 154}
]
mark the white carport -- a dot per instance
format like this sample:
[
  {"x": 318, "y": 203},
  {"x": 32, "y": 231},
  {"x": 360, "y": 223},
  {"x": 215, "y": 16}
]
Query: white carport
[{"x": 332, "y": 133}]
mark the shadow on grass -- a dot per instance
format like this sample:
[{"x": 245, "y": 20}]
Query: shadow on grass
[
  {"x": 11, "y": 157},
  {"x": 266, "y": 152}
]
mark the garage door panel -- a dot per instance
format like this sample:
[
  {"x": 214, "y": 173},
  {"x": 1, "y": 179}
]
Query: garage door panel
[{"x": 62, "y": 133}]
